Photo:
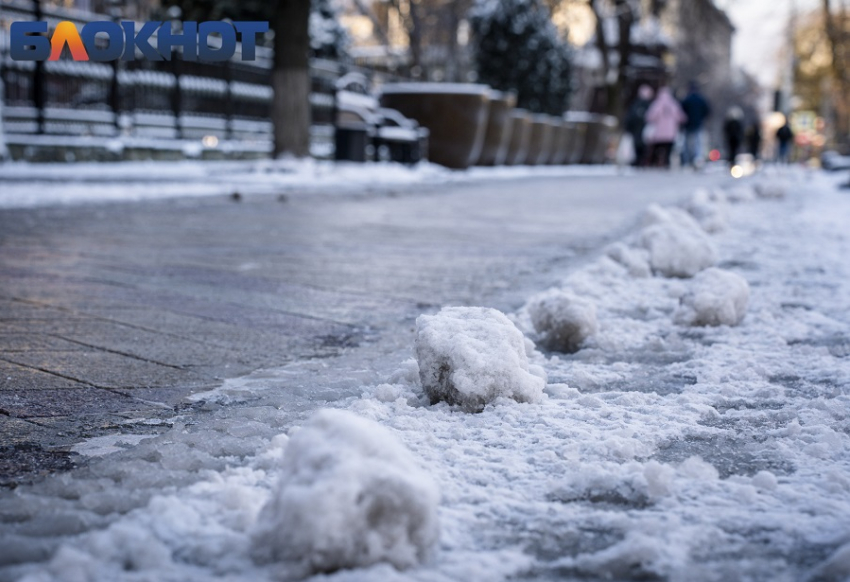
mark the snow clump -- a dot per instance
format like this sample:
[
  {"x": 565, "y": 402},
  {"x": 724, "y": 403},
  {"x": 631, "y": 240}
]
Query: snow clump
[
  {"x": 676, "y": 243},
  {"x": 708, "y": 207},
  {"x": 350, "y": 495},
  {"x": 656, "y": 214},
  {"x": 740, "y": 193},
  {"x": 676, "y": 250},
  {"x": 562, "y": 319},
  {"x": 471, "y": 356},
  {"x": 636, "y": 261},
  {"x": 774, "y": 190},
  {"x": 715, "y": 297}
]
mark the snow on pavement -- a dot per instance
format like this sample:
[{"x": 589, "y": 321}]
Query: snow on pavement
[
  {"x": 658, "y": 451},
  {"x": 25, "y": 185}
]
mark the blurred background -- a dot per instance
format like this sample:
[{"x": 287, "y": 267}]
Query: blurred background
[{"x": 773, "y": 60}]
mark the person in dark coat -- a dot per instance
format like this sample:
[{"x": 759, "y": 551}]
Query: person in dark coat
[
  {"x": 733, "y": 131},
  {"x": 754, "y": 138},
  {"x": 698, "y": 110},
  {"x": 636, "y": 121},
  {"x": 785, "y": 136}
]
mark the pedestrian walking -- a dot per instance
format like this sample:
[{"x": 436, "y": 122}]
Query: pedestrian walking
[
  {"x": 636, "y": 122},
  {"x": 697, "y": 109},
  {"x": 784, "y": 136},
  {"x": 733, "y": 131},
  {"x": 663, "y": 119},
  {"x": 754, "y": 138}
]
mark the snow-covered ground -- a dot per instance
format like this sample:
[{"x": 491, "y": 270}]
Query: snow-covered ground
[
  {"x": 24, "y": 185},
  {"x": 661, "y": 449}
]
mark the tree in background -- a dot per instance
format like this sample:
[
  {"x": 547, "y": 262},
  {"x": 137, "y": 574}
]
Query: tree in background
[
  {"x": 519, "y": 49},
  {"x": 328, "y": 38},
  {"x": 821, "y": 56},
  {"x": 837, "y": 25},
  {"x": 294, "y": 24},
  {"x": 624, "y": 13}
]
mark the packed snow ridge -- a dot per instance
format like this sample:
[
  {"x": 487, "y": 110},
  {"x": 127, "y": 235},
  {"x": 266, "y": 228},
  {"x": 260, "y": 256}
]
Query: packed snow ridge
[
  {"x": 471, "y": 356},
  {"x": 350, "y": 495}
]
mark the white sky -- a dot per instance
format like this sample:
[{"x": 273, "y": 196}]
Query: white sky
[{"x": 761, "y": 32}]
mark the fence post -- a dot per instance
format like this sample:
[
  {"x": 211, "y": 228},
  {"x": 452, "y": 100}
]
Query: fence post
[
  {"x": 38, "y": 81},
  {"x": 176, "y": 96},
  {"x": 228, "y": 100},
  {"x": 114, "y": 89}
]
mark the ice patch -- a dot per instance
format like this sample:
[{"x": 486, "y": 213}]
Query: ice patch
[
  {"x": 562, "y": 319},
  {"x": 108, "y": 444},
  {"x": 715, "y": 297},
  {"x": 471, "y": 356},
  {"x": 350, "y": 495}
]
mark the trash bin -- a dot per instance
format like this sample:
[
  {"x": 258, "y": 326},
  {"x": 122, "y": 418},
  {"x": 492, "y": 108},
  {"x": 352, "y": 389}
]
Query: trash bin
[{"x": 351, "y": 143}]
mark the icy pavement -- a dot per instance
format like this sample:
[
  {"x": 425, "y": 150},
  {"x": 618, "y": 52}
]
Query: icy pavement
[
  {"x": 659, "y": 451},
  {"x": 25, "y": 185}
]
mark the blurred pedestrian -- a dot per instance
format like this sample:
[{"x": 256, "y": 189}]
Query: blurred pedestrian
[
  {"x": 784, "y": 136},
  {"x": 733, "y": 131},
  {"x": 636, "y": 122},
  {"x": 754, "y": 138},
  {"x": 697, "y": 109},
  {"x": 663, "y": 119}
]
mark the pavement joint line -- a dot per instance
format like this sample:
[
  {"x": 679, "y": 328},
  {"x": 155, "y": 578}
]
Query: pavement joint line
[
  {"x": 228, "y": 303},
  {"x": 58, "y": 375},
  {"x": 118, "y": 322},
  {"x": 117, "y": 352}
]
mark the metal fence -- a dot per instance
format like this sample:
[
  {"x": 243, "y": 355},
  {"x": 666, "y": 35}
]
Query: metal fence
[{"x": 156, "y": 101}]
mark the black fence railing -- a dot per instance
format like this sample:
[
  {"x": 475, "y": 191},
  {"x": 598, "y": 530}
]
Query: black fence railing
[{"x": 160, "y": 100}]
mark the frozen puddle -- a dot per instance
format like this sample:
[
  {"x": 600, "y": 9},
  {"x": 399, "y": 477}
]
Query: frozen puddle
[{"x": 658, "y": 451}]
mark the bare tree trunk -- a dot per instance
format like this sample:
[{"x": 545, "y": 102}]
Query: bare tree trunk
[
  {"x": 601, "y": 41},
  {"x": 376, "y": 25},
  {"x": 835, "y": 32},
  {"x": 602, "y": 47},
  {"x": 625, "y": 20},
  {"x": 291, "y": 78},
  {"x": 414, "y": 35}
]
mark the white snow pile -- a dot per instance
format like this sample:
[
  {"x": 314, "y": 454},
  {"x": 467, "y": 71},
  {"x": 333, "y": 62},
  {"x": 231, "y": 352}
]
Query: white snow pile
[
  {"x": 836, "y": 568},
  {"x": 562, "y": 319},
  {"x": 709, "y": 209},
  {"x": 677, "y": 244},
  {"x": 770, "y": 189},
  {"x": 715, "y": 297},
  {"x": 635, "y": 260},
  {"x": 350, "y": 495},
  {"x": 740, "y": 193},
  {"x": 470, "y": 356}
]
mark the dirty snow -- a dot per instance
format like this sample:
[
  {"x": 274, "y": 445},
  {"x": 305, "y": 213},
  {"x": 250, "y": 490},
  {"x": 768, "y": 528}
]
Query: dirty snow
[
  {"x": 470, "y": 356},
  {"x": 656, "y": 452},
  {"x": 562, "y": 320}
]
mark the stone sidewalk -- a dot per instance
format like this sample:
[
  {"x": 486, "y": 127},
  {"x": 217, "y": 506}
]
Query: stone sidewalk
[{"x": 111, "y": 314}]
